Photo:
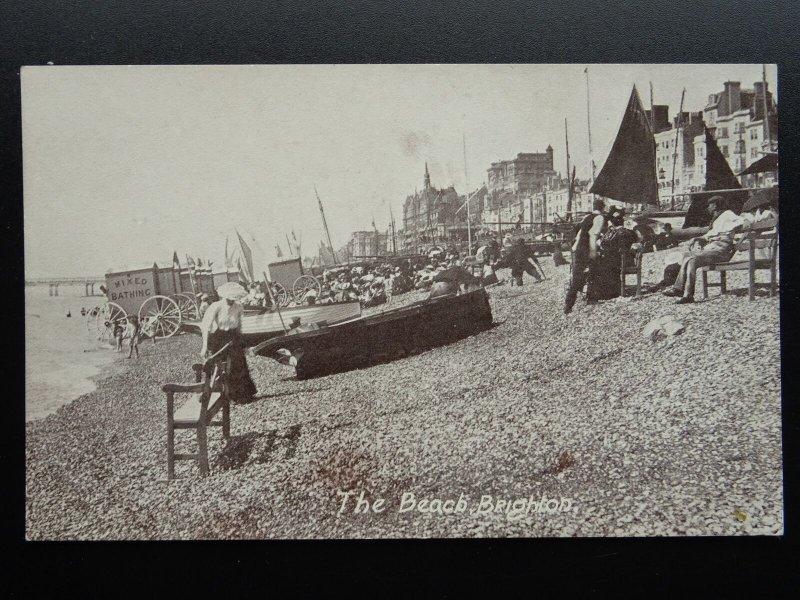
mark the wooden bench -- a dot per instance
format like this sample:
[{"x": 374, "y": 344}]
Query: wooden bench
[
  {"x": 206, "y": 399},
  {"x": 762, "y": 236}
]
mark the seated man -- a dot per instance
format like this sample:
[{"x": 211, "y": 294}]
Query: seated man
[{"x": 715, "y": 246}]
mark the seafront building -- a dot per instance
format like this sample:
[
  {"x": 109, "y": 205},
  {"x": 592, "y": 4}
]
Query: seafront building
[
  {"x": 526, "y": 191},
  {"x": 735, "y": 119},
  {"x": 433, "y": 216}
]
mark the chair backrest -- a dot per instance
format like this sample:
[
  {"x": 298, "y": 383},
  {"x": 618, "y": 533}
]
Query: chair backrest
[{"x": 210, "y": 383}]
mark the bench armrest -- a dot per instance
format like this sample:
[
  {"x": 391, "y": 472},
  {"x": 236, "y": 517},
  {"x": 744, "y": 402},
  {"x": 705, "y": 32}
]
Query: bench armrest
[{"x": 182, "y": 387}]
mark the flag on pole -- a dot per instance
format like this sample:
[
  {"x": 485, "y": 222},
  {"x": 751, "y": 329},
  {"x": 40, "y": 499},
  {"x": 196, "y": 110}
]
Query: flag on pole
[{"x": 176, "y": 264}]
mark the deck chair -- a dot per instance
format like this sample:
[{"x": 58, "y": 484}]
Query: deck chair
[
  {"x": 206, "y": 399},
  {"x": 762, "y": 236}
]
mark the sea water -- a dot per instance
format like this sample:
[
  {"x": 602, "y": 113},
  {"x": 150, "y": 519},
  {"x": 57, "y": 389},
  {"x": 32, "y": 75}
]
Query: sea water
[{"x": 61, "y": 354}]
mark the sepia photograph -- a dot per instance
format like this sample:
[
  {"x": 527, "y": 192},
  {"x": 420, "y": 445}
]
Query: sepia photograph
[{"x": 374, "y": 301}]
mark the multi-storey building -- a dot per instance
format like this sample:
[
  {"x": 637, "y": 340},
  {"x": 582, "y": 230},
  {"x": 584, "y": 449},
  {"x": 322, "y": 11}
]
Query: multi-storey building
[
  {"x": 432, "y": 216},
  {"x": 525, "y": 174},
  {"x": 736, "y": 119}
]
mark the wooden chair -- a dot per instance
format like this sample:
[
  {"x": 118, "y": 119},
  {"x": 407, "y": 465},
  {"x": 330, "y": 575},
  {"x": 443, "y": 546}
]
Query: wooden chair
[
  {"x": 206, "y": 399},
  {"x": 760, "y": 236},
  {"x": 630, "y": 267}
]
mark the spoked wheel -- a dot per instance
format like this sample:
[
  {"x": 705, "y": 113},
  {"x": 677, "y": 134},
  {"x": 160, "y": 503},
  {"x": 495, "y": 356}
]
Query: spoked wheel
[
  {"x": 91, "y": 317},
  {"x": 102, "y": 324},
  {"x": 160, "y": 316},
  {"x": 281, "y": 295},
  {"x": 187, "y": 306},
  {"x": 302, "y": 285}
]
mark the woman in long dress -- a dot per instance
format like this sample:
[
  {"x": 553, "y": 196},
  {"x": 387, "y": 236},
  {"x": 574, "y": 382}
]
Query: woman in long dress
[{"x": 222, "y": 323}]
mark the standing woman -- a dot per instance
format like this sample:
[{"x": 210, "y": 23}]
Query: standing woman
[{"x": 222, "y": 323}]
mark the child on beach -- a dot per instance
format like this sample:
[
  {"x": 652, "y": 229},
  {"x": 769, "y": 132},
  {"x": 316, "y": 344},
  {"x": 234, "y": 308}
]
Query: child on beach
[
  {"x": 118, "y": 334},
  {"x": 134, "y": 331}
]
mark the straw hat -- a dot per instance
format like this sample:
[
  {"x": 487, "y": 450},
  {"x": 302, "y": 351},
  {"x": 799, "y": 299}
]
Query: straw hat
[{"x": 231, "y": 291}]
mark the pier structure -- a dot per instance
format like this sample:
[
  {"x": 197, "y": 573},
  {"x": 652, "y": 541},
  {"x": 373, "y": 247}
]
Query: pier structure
[{"x": 92, "y": 285}]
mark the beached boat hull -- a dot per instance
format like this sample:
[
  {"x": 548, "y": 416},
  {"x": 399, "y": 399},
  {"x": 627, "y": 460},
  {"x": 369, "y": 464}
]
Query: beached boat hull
[
  {"x": 381, "y": 337},
  {"x": 257, "y": 328}
]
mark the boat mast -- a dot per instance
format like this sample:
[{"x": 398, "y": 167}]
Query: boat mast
[
  {"x": 394, "y": 233},
  {"x": 569, "y": 176},
  {"x": 652, "y": 111},
  {"x": 675, "y": 151},
  {"x": 325, "y": 224},
  {"x": 589, "y": 123},
  {"x": 466, "y": 181}
]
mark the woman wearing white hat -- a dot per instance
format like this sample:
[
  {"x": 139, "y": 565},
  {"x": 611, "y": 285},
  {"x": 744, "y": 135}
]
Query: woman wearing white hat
[{"x": 222, "y": 323}]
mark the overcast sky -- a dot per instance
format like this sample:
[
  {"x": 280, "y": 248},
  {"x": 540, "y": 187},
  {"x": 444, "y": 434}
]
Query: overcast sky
[{"x": 123, "y": 165}]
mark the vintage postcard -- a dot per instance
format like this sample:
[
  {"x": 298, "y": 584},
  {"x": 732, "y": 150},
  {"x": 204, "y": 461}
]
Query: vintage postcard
[{"x": 401, "y": 301}]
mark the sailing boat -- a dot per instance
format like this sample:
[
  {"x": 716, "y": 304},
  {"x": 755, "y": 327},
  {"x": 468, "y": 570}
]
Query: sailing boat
[{"x": 629, "y": 173}]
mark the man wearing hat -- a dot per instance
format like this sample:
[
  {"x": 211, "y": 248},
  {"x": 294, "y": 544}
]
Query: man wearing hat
[
  {"x": 222, "y": 323},
  {"x": 713, "y": 247}
]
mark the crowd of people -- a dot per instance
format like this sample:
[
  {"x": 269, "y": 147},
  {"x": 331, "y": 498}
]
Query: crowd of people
[{"x": 604, "y": 238}]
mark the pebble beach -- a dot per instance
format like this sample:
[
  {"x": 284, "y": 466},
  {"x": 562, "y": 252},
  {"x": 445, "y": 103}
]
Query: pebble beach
[{"x": 544, "y": 426}]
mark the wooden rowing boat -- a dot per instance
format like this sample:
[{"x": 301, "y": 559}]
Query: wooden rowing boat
[
  {"x": 258, "y": 327},
  {"x": 384, "y": 336}
]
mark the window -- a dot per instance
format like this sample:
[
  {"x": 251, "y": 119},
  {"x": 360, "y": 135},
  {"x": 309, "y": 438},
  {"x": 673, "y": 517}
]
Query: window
[
  {"x": 739, "y": 147},
  {"x": 722, "y": 133},
  {"x": 754, "y": 134},
  {"x": 753, "y": 152},
  {"x": 724, "y": 150}
]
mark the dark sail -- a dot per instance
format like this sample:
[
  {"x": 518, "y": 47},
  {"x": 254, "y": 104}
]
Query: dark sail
[
  {"x": 719, "y": 176},
  {"x": 629, "y": 173}
]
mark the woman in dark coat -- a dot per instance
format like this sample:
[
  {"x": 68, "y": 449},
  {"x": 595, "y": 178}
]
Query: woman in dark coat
[
  {"x": 615, "y": 242},
  {"x": 222, "y": 323}
]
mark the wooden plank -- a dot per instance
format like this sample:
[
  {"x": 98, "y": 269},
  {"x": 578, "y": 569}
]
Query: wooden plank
[{"x": 189, "y": 412}]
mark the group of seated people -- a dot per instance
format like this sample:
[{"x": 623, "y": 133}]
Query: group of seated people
[{"x": 620, "y": 237}]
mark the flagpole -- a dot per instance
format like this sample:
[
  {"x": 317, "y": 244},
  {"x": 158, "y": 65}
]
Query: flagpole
[
  {"x": 466, "y": 182},
  {"x": 570, "y": 210}
]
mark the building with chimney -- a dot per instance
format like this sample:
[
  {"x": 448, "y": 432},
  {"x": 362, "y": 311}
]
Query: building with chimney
[
  {"x": 525, "y": 174},
  {"x": 736, "y": 119}
]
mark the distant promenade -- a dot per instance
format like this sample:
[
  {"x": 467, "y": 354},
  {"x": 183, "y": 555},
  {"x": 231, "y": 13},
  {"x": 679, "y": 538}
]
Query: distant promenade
[{"x": 89, "y": 283}]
